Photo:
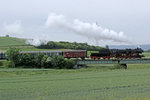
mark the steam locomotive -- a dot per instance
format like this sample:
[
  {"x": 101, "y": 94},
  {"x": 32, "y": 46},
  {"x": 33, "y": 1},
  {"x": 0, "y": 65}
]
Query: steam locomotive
[
  {"x": 118, "y": 53},
  {"x": 102, "y": 53}
]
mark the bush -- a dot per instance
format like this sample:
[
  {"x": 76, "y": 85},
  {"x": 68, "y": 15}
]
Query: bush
[
  {"x": 44, "y": 61},
  {"x": 69, "y": 64},
  {"x": 49, "y": 63},
  {"x": 13, "y": 56},
  {"x": 1, "y": 63},
  {"x": 38, "y": 60},
  {"x": 8, "y": 64},
  {"x": 68, "y": 45},
  {"x": 58, "y": 62},
  {"x": 27, "y": 60},
  {"x": 117, "y": 66},
  {"x": 15, "y": 59}
]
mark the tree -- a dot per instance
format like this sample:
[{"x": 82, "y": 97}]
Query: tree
[
  {"x": 38, "y": 60},
  {"x": 107, "y": 47},
  {"x": 44, "y": 62},
  {"x": 26, "y": 59},
  {"x": 58, "y": 62},
  {"x": 13, "y": 56},
  {"x": 69, "y": 64},
  {"x": 7, "y": 35}
]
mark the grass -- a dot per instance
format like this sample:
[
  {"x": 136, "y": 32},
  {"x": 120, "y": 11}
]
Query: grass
[
  {"x": 97, "y": 82},
  {"x": 146, "y": 54},
  {"x": 80, "y": 84},
  {"x": 6, "y": 42},
  {"x": 11, "y": 41}
]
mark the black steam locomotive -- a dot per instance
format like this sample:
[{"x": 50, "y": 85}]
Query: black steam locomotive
[
  {"x": 102, "y": 53},
  {"x": 118, "y": 53}
]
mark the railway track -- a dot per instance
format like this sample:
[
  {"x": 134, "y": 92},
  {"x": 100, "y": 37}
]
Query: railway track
[{"x": 123, "y": 62}]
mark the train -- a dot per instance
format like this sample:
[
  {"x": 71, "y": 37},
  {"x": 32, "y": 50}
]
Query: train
[
  {"x": 101, "y": 54},
  {"x": 66, "y": 54},
  {"x": 118, "y": 54}
]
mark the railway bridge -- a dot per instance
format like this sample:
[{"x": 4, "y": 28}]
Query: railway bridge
[{"x": 123, "y": 62}]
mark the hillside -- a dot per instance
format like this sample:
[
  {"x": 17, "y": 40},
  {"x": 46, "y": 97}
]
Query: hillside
[
  {"x": 11, "y": 41},
  {"x": 6, "y": 42},
  {"x": 145, "y": 47}
]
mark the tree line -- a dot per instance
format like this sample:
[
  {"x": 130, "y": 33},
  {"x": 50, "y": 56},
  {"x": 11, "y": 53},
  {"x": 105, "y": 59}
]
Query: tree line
[
  {"x": 15, "y": 59},
  {"x": 68, "y": 45}
]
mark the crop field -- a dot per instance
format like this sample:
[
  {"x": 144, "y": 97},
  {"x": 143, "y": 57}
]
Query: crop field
[{"x": 77, "y": 84}]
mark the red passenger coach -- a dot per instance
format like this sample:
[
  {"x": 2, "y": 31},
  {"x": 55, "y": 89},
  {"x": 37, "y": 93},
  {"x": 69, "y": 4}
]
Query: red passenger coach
[{"x": 75, "y": 54}]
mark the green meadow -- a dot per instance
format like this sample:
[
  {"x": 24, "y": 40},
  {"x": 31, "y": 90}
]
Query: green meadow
[
  {"x": 6, "y": 42},
  {"x": 97, "y": 82},
  {"x": 93, "y": 83}
]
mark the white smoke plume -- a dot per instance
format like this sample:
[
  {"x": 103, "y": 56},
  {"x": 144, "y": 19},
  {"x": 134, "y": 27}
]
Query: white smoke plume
[
  {"x": 14, "y": 28},
  {"x": 89, "y": 30},
  {"x": 36, "y": 42}
]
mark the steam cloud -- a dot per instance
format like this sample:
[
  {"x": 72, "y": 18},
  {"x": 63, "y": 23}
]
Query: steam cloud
[
  {"x": 89, "y": 30},
  {"x": 36, "y": 42},
  {"x": 14, "y": 28}
]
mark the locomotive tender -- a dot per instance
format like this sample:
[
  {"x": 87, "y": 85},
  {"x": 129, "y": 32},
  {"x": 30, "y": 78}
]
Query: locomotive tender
[{"x": 102, "y": 53}]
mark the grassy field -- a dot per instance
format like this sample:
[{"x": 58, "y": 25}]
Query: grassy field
[
  {"x": 146, "y": 54},
  {"x": 11, "y": 41},
  {"x": 6, "y": 42},
  {"x": 98, "y": 83}
]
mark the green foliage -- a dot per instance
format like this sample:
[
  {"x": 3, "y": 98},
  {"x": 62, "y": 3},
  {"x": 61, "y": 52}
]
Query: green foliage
[
  {"x": 117, "y": 66},
  {"x": 15, "y": 59},
  {"x": 68, "y": 45},
  {"x": 1, "y": 63},
  {"x": 38, "y": 60},
  {"x": 44, "y": 62},
  {"x": 69, "y": 64},
  {"x": 48, "y": 63},
  {"x": 26, "y": 60},
  {"x": 8, "y": 64},
  {"x": 107, "y": 47},
  {"x": 13, "y": 56},
  {"x": 58, "y": 62}
]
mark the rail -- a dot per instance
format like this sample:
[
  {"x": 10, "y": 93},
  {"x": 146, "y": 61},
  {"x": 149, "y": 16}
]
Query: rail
[{"x": 125, "y": 61}]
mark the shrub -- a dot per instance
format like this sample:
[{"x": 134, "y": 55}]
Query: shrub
[
  {"x": 38, "y": 60},
  {"x": 49, "y": 62},
  {"x": 69, "y": 64},
  {"x": 8, "y": 64},
  {"x": 1, "y": 63},
  {"x": 43, "y": 61},
  {"x": 13, "y": 56},
  {"x": 58, "y": 62},
  {"x": 117, "y": 66},
  {"x": 26, "y": 59}
]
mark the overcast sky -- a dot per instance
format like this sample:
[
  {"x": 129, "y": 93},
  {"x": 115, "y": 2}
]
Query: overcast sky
[{"x": 129, "y": 16}]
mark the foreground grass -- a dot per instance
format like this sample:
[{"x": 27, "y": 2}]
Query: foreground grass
[{"x": 79, "y": 84}]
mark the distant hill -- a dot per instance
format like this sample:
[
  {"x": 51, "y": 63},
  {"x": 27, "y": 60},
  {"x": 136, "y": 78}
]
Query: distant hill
[
  {"x": 11, "y": 41},
  {"x": 145, "y": 47},
  {"x": 6, "y": 42}
]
